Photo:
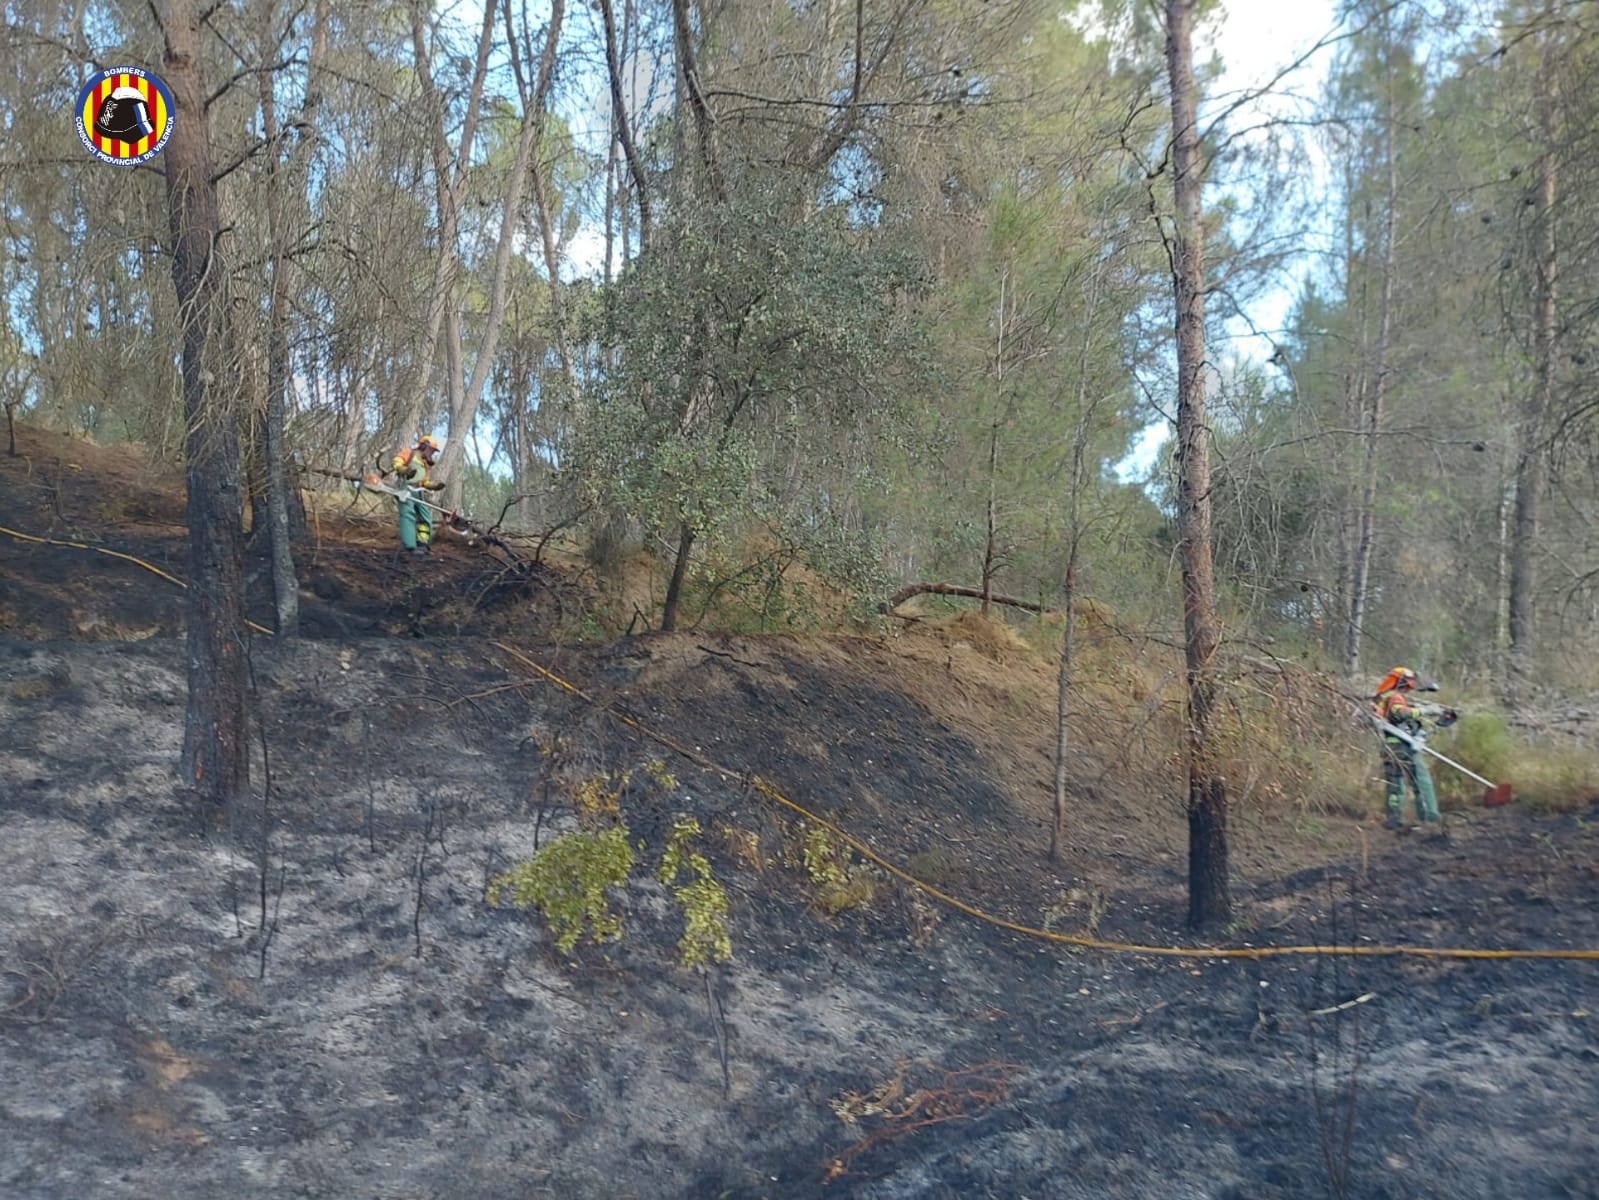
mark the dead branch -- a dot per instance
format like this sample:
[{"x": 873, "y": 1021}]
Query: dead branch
[
  {"x": 957, "y": 589},
  {"x": 962, "y": 1094}
]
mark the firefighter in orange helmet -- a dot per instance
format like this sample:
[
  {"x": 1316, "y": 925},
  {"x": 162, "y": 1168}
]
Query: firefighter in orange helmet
[
  {"x": 1403, "y": 761},
  {"x": 410, "y": 468}
]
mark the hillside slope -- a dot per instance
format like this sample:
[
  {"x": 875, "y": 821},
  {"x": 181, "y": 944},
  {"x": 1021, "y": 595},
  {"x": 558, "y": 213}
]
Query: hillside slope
[{"x": 390, "y": 1034}]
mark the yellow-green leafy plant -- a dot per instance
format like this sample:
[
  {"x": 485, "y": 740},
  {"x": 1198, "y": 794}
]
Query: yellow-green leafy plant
[
  {"x": 704, "y": 901},
  {"x": 567, "y": 880},
  {"x": 925, "y": 916},
  {"x": 598, "y": 799},
  {"x": 839, "y": 885},
  {"x": 659, "y": 775},
  {"x": 744, "y": 845}
]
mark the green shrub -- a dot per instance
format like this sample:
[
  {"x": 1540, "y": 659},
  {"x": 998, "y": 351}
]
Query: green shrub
[
  {"x": 566, "y": 882},
  {"x": 1480, "y": 741},
  {"x": 1083, "y": 908},
  {"x": 839, "y": 885},
  {"x": 936, "y": 866},
  {"x": 704, "y": 901}
]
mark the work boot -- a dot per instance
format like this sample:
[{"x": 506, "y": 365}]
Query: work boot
[
  {"x": 419, "y": 550},
  {"x": 1393, "y": 821}
]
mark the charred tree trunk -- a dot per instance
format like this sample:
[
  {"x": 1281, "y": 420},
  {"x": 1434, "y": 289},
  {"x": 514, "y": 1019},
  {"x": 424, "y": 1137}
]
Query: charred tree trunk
[
  {"x": 704, "y": 119},
  {"x": 464, "y": 402},
  {"x": 990, "y": 552},
  {"x": 990, "y": 548},
  {"x": 624, "y": 128},
  {"x": 215, "y": 758},
  {"x": 1057, "y": 823},
  {"x": 1074, "y": 542},
  {"x": 448, "y": 182},
  {"x": 1209, "y": 900}
]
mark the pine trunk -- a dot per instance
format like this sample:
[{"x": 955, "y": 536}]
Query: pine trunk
[
  {"x": 215, "y": 758},
  {"x": 1529, "y": 434},
  {"x": 1209, "y": 899}
]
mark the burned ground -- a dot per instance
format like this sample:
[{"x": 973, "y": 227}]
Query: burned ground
[{"x": 154, "y": 1043}]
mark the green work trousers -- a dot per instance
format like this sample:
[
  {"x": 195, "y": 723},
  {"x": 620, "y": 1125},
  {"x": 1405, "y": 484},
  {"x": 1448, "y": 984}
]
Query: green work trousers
[
  {"x": 1401, "y": 764},
  {"x": 416, "y": 527}
]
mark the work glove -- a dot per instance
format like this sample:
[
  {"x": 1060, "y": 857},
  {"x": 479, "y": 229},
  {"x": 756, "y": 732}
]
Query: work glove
[{"x": 433, "y": 485}]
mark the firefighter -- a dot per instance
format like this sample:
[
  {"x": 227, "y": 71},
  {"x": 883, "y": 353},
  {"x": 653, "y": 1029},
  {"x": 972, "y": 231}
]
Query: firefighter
[
  {"x": 410, "y": 468},
  {"x": 1402, "y": 761}
]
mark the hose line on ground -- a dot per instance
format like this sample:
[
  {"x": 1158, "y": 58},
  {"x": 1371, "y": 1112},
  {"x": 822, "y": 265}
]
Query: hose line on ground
[
  {"x": 138, "y": 562},
  {"x": 767, "y": 790}
]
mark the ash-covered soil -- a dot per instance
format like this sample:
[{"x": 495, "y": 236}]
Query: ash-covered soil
[{"x": 395, "y": 1037}]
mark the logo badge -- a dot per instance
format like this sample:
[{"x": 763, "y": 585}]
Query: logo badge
[{"x": 124, "y": 116}]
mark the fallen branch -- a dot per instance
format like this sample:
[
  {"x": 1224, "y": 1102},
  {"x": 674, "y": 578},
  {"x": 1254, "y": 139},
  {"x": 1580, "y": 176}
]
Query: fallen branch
[
  {"x": 957, "y": 589},
  {"x": 964, "y": 1094},
  {"x": 1322, "y": 1012}
]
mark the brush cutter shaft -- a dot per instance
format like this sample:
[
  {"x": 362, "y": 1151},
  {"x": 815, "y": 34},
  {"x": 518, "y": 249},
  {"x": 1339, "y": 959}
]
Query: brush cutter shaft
[
  {"x": 399, "y": 495},
  {"x": 1393, "y": 731}
]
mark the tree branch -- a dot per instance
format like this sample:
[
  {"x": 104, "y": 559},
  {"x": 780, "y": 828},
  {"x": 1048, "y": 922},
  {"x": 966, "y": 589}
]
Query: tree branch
[
  {"x": 244, "y": 73},
  {"x": 956, "y": 589}
]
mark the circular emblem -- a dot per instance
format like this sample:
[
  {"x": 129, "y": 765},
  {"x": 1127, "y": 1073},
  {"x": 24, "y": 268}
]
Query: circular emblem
[{"x": 124, "y": 116}]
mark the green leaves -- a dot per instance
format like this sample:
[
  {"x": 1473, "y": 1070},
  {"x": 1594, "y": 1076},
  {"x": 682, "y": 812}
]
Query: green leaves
[
  {"x": 704, "y": 901},
  {"x": 751, "y": 342},
  {"x": 567, "y": 881}
]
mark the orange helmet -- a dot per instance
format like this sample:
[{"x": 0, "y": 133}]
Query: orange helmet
[
  {"x": 427, "y": 444},
  {"x": 1401, "y": 678}
]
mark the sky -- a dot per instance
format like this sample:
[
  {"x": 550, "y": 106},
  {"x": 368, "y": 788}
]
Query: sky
[{"x": 1256, "y": 40}]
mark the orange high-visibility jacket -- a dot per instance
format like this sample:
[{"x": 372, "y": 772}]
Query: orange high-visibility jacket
[
  {"x": 411, "y": 467},
  {"x": 1394, "y": 709}
]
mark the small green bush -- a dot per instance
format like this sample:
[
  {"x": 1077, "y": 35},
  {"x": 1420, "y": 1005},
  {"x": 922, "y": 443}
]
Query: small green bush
[
  {"x": 566, "y": 882},
  {"x": 838, "y": 884},
  {"x": 936, "y": 866},
  {"x": 1480, "y": 741}
]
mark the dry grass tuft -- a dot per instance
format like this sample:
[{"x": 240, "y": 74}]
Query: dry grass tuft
[{"x": 992, "y": 637}]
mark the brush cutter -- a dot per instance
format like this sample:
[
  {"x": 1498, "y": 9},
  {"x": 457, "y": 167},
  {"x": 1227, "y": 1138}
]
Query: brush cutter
[
  {"x": 373, "y": 483},
  {"x": 1496, "y": 795}
]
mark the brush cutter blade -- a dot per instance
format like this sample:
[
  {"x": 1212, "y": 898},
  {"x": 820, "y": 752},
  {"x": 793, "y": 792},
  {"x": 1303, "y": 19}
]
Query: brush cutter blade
[{"x": 1497, "y": 796}]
